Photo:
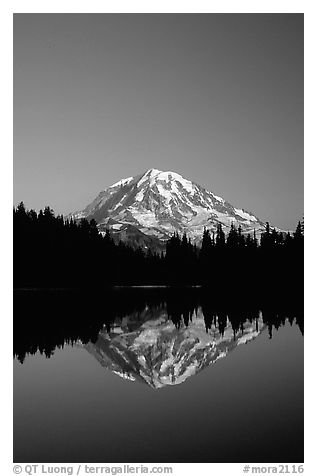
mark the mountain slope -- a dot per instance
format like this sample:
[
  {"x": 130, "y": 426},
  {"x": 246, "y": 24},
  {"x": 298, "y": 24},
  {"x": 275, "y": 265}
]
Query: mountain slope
[{"x": 159, "y": 203}]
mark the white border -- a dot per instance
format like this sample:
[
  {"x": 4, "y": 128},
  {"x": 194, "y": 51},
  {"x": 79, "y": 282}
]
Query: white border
[{"x": 6, "y": 190}]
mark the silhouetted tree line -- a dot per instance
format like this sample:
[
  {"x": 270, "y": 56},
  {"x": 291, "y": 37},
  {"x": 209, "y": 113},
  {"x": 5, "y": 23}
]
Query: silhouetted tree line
[
  {"x": 50, "y": 251},
  {"x": 240, "y": 263},
  {"x": 49, "y": 319}
]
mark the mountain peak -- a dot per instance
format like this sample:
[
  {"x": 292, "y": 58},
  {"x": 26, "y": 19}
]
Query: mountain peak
[
  {"x": 149, "y": 175},
  {"x": 162, "y": 174},
  {"x": 157, "y": 203},
  {"x": 151, "y": 172},
  {"x": 154, "y": 175}
]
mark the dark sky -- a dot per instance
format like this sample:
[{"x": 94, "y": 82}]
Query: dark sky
[{"x": 217, "y": 98}]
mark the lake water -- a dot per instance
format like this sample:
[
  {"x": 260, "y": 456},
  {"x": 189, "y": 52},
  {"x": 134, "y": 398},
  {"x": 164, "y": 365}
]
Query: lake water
[{"x": 156, "y": 376}]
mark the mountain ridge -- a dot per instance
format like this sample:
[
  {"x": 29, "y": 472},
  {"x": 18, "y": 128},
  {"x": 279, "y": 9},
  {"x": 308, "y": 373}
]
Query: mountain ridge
[{"x": 158, "y": 204}]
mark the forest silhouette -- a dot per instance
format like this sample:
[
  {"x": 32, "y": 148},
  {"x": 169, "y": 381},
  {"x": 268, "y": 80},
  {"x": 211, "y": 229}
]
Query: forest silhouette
[{"x": 51, "y": 252}]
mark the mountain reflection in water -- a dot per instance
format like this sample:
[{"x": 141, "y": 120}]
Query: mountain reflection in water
[
  {"x": 247, "y": 407},
  {"x": 158, "y": 337},
  {"x": 150, "y": 348}
]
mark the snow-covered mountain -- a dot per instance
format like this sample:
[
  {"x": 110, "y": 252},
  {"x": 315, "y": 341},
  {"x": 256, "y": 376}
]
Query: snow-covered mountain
[
  {"x": 152, "y": 350},
  {"x": 156, "y": 204}
]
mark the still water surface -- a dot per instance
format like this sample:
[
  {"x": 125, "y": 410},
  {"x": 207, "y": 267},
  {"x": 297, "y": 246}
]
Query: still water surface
[{"x": 165, "y": 379}]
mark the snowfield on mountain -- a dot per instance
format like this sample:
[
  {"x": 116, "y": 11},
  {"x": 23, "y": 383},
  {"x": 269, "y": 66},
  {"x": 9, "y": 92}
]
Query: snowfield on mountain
[{"x": 156, "y": 204}]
